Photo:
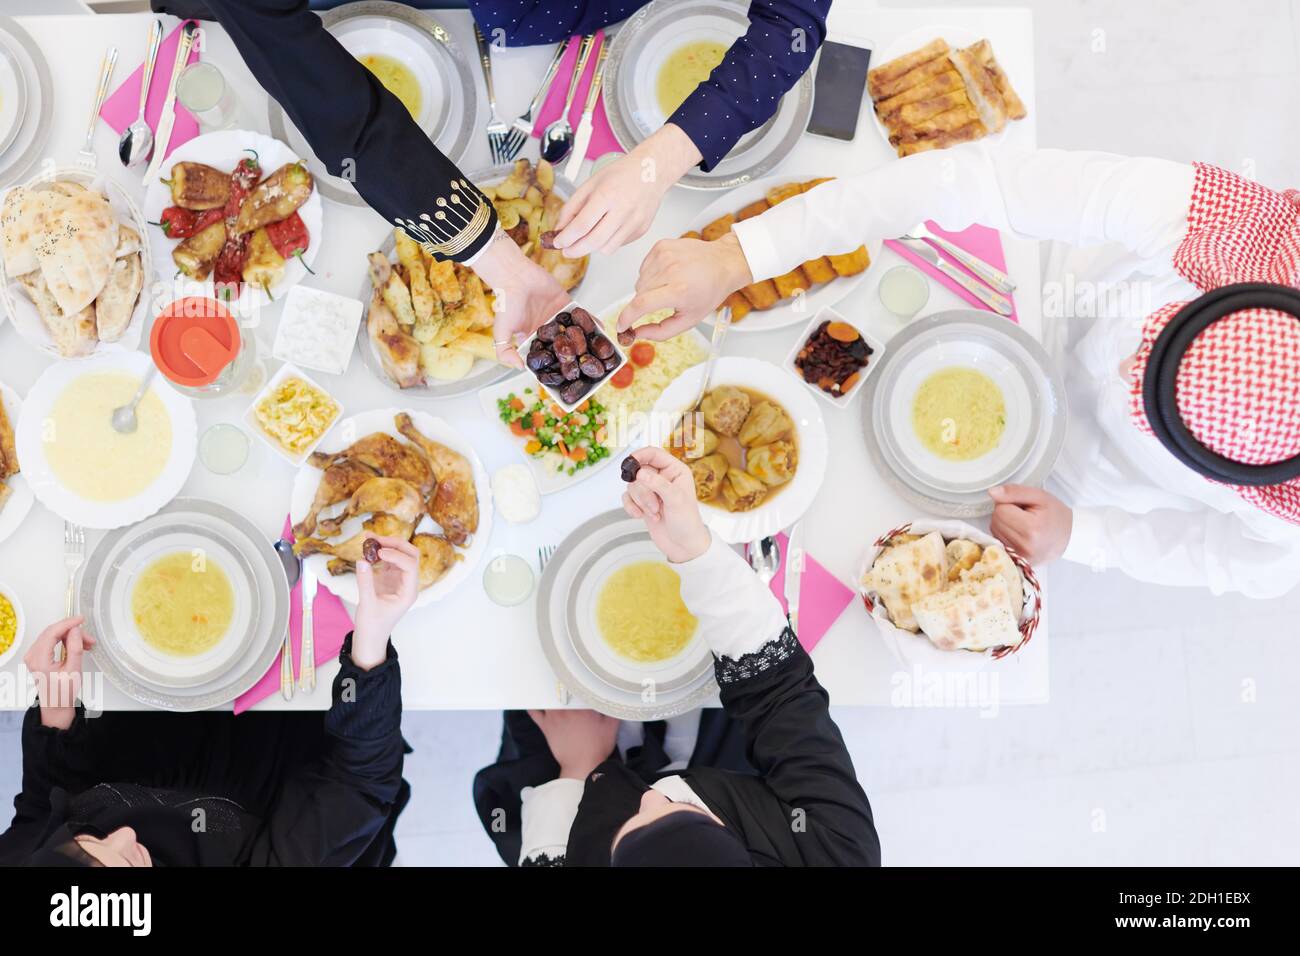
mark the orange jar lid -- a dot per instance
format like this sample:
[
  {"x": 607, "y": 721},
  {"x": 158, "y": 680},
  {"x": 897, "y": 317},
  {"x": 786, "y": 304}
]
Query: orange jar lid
[{"x": 193, "y": 340}]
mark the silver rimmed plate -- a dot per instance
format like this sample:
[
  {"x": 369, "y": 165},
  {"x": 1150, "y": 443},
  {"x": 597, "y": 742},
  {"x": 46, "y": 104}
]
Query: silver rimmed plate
[
  {"x": 448, "y": 96},
  {"x": 33, "y": 131},
  {"x": 583, "y": 662},
  {"x": 637, "y": 55},
  {"x": 13, "y": 95},
  {"x": 208, "y": 531},
  {"x": 1033, "y": 393}
]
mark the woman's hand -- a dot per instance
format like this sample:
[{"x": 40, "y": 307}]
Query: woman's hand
[
  {"x": 58, "y": 683},
  {"x": 580, "y": 740},
  {"x": 617, "y": 204},
  {"x": 663, "y": 496},
  {"x": 1032, "y": 521},
  {"x": 525, "y": 295},
  {"x": 690, "y": 276},
  {"x": 385, "y": 592}
]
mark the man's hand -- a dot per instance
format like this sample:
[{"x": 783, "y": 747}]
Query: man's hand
[
  {"x": 1032, "y": 521},
  {"x": 58, "y": 683},
  {"x": 525, "y": 294},
  {"x": 580, "y": 740},
  {"x": 663, "y": 496},
  {"x": 689, "y": 276},
  {"x": 617, "y": 205}
]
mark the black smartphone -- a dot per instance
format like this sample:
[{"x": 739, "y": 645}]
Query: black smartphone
[{"x": 839, "y": 88}]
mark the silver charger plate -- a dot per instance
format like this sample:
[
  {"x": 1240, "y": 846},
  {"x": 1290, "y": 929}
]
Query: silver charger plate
[
  {"x": 450, "y": 130},
  {"x": 9, "y": 63},
  {"x": 558, "y": 619},
  {"x": 272, "y": 611},
  {"x": 484, "y": 373},
  {"x": 1047, "y": 415},
  {"x": 33, "y": 133},
  {"x": 635, "y": 54}
]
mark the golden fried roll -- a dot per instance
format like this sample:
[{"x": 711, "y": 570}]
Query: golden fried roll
[
  {"x": 718, "y": 228},
  {"x": 761, "y": 295},
  {"x": 945, "y": 82},
  {"x": 780, "y": 194},
  {"x": 740, "y": 306},
  {"x": 850, "y": 264},
  {"x": 752, "y": 210},
  {"x": 924, "y": 114},
  {"x": 923, "y": 73},
  {"x": 791, "y": 284},
  {"x": 814, "y": 183},
  {"x": 982, "y": 90},
  {"x": 691, "y": 235},
  {"x": 983, "y": 52},
  {"x": 818, "y": 270},
  {"x": 942, "y": 140},
  {"x": 883, "y": 76}
]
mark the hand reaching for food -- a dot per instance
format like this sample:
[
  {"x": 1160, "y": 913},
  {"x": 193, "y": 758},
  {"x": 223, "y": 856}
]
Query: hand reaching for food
[
  {"x": 619, "y": 202},
  {"x": 579, "y": 740},
  {"x": 1033, "y": 522},
  {"x": 388, "y": 581},
  {"x": 661, "y": 492},
  {"x": 58, "y": 683},
  {"x": 689, "y": 276},
  {"x": 524, "y": 294}
]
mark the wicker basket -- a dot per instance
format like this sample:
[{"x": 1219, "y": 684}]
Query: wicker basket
[{"x": 1030, "y": 613}]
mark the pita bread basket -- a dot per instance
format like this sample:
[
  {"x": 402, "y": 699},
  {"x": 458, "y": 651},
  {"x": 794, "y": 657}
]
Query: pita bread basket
[{"x": 915, "y": 649}]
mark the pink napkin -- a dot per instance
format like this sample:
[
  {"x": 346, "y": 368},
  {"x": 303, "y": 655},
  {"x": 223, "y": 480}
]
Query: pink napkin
[
  {"x": 332, "y": 626},
  {"x": 979, "y": 241},
  {"x": 123, "y": 105},
  {"x": 602, "y": 138},
  {"x": 822, "y": 597}
]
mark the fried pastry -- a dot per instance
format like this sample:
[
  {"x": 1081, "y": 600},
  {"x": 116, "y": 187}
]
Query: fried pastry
[{"x": 718, "y": 228}]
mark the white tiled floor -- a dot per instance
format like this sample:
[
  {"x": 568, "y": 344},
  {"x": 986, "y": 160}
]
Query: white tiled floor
[{"x": 1171, "y": 736}]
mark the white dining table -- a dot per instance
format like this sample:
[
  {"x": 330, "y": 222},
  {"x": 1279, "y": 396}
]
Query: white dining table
[{"x": 464, "y": 651}]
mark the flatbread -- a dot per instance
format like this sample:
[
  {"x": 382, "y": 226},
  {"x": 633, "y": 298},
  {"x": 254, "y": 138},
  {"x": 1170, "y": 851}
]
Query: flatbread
[
  {"x": 904, "y": 574},
  {"x": 962, "y": 554},
  {"x": 74, "y": 335},
  {"x": 116, "y": 302},
  {"x": 996, "y": 561},
  {"x": 128, "y": 241},
  {"x": 22, "y": 220},
  {"x": 77, "y": 249},
  {"x": 972, "y": 615}
]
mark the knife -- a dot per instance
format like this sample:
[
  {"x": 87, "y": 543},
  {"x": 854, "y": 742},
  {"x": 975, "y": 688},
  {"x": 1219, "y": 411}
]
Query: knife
[
  {"x": 583, "y": 138},
  {"x": 985, "y": 270},
  {"x": 996, "y": 301},
  {"x": 167, "y": 119},
  {"x": 794, "y": 563},
  {"x": 307, "y": 663}
]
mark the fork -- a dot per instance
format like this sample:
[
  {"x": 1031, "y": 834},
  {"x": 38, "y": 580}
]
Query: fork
[
  {"x": 497, "y": 130},
  {"x": 87, "y": 159},
  {"x": 544, "y": 554},
  {"x": 522, "y": 128},
  {"x": 74, "y": 553}
]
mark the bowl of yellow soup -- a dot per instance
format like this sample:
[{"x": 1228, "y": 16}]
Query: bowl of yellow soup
[
  {"x": 83, "y": 470},
  {"x": 11, "y": 625}
]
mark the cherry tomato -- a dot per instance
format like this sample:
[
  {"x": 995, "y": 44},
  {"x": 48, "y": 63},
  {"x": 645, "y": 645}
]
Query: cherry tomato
[
  {"x": 623, "y": 377},
  {"x": 643, "y": 353}
]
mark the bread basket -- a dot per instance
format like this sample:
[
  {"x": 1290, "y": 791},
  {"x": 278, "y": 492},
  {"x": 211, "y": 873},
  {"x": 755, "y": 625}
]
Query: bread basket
[{"x": 915, "y": 649}]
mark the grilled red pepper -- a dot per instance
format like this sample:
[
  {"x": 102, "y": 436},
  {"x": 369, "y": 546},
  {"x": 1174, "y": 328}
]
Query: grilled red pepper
[
  {"x": 228, "y": 273},
  {"x": 180, "y": 223},
  {"x": 290, "y": 237}
]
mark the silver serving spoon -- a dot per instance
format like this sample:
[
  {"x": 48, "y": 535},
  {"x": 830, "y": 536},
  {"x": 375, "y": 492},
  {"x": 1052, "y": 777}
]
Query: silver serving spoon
[
  {"x": 124, "y": 419},
  {"x": 557, "y": 138},
  {"x": 764, "y": 557},
  {"x": 292, "y": 563},
  {"x": 137, "y": 139}
]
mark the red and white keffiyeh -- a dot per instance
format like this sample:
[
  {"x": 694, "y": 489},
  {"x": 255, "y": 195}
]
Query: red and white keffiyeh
[{"x": 1238, "y": 384}]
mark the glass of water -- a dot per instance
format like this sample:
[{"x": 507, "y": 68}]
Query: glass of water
[{"x": 203, "y": 91}]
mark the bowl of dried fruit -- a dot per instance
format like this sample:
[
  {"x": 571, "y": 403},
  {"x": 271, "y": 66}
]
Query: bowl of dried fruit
[{"x": 834, "y": 356}]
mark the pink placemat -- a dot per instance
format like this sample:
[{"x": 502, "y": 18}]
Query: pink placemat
[
  {"x": 981, "y": 241},
  {"x": 332, "y": 625},
  {"x": 123, "y": 104},
  {"x": 822, "y": 597},
  {"x": 602, "y": 137}
]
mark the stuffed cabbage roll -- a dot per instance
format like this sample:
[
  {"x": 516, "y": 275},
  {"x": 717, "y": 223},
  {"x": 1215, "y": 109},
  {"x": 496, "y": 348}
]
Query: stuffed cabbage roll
[
  {"x": 708, "y": 473},
  {"x": 725, "y": 409},
  {"x": 773, "y": 464},
  {"x": 765, "y": 423},
  {"x": 741, "y": 491},
  {"x": 691, "y": 440}
]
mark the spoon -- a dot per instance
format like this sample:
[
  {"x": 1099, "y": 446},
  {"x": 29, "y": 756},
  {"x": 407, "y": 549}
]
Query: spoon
[
  {"x": 764, "y": 557},
  {"x": 137, "y": 139},
  {"x": 292, "y": 563},
  {"x": 557, "y": 138},
  {"x": 124, "y": 419}
]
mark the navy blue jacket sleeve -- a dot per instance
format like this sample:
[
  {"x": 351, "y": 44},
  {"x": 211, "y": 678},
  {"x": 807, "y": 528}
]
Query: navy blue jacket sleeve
[
  {"x": 355, "y": 126},
  {"x": 743, "y": 92}
]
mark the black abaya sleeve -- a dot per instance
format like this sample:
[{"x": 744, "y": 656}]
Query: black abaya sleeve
[
  {"x": 799, "y": 752},
  {"x": 331, "y": 812},
  {"x": 52, "y": 759}
]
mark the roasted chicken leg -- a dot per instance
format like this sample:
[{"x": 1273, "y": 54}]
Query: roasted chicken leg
[
  {"x": 454, "y": 504},
  {"x": 388, "y": 457},
  {"x": 391, "y": 496},
  {"x": 350, "y": 549},
  {"x": 337, "y": 484}
]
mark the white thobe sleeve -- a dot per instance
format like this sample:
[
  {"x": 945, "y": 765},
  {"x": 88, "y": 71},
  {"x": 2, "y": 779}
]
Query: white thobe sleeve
[{"x": 547, "y": 816}]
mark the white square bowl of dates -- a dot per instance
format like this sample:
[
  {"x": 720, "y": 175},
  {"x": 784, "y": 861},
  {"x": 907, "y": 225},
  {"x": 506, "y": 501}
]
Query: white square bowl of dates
[{"x": 571, "y": 356}]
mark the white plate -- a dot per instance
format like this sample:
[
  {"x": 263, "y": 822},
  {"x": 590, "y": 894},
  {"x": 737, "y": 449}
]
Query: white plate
[
  {"x": 34, "y": 128},
  {"x": 16, "y": 508},
  {"x": 407, "y": 45},
  {"x": 223, "y": 150},
  {"x": 27, "y": 321},
  {"x": 877, "y": 354},
  {"x": 956, "y": 37},
  {"x": 792, "y": 500},
  {"x": 381, "y": 420},
  {"x": 103, "y": 514},
  {"x": 797, "y": 310},
  {"x": 13, "y": 97}
]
